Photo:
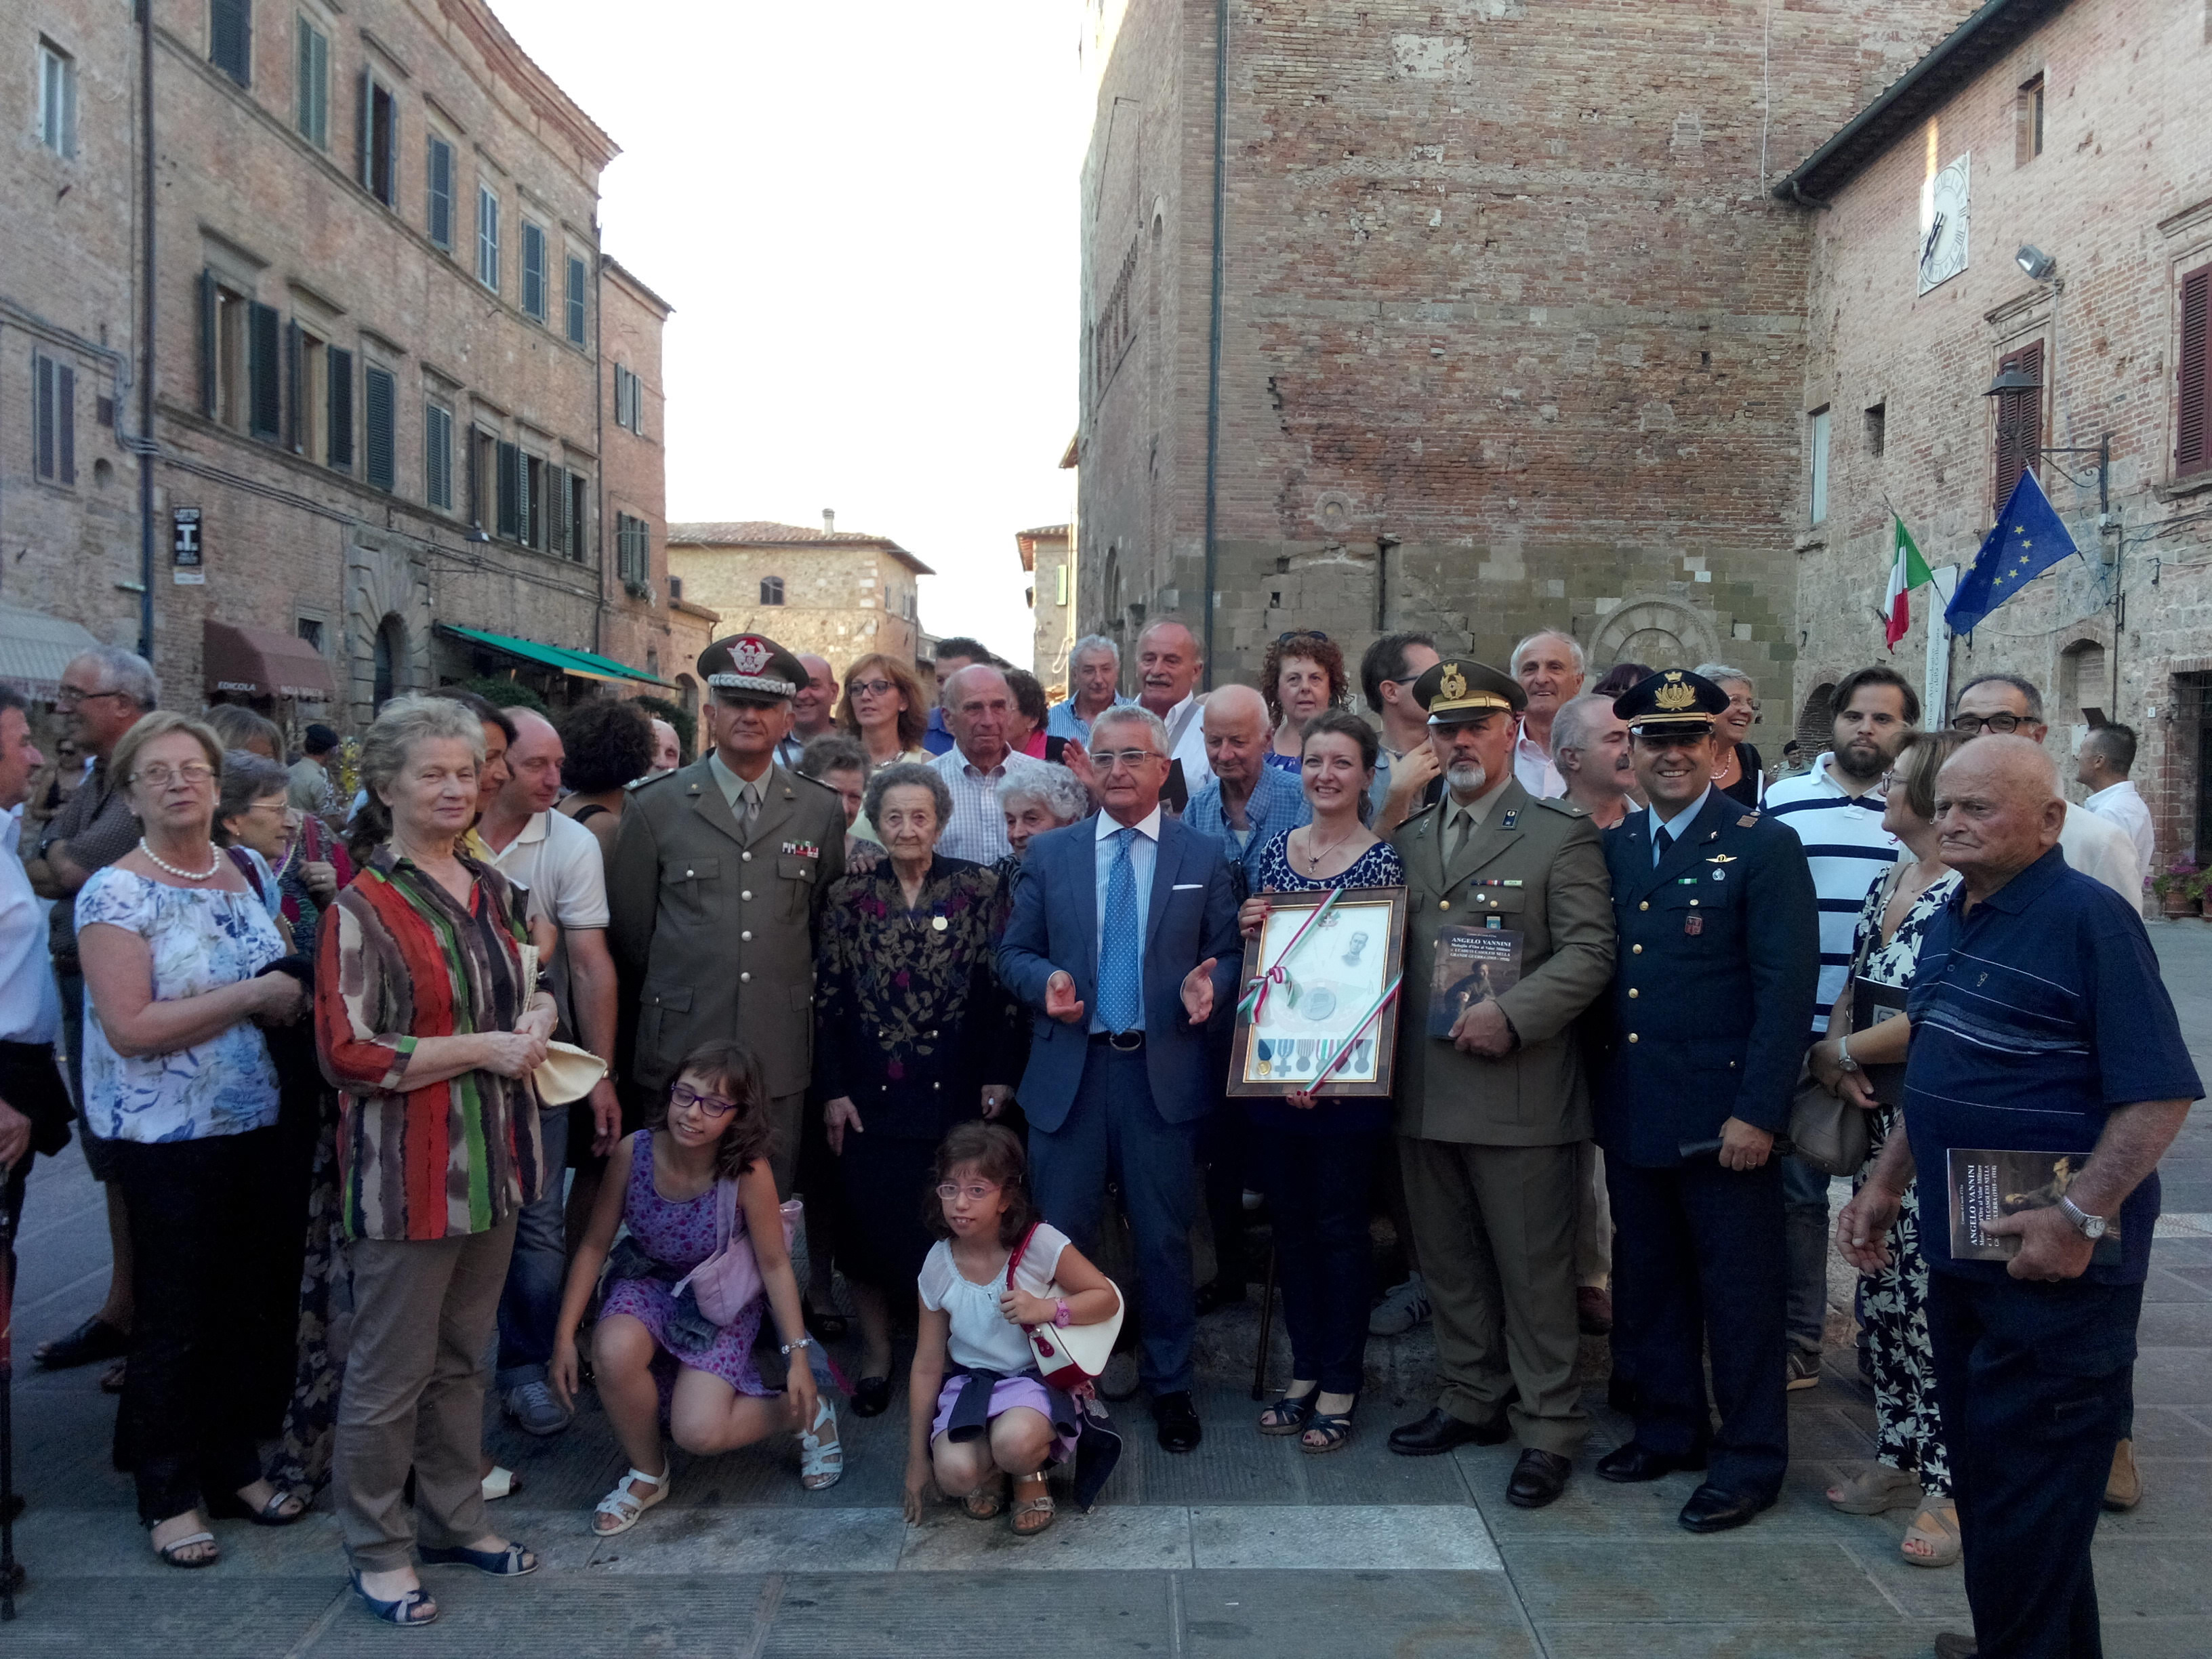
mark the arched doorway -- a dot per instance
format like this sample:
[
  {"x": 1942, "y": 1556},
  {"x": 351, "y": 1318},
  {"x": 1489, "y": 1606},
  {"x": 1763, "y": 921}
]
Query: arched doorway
[
  {"x": 1816, "y": 724},
  {"x": 391, "y": 661}
]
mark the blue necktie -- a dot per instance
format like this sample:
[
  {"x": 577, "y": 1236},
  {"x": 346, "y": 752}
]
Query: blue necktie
[
  {"x": 1120, "y": 990},
  {"x": 1659, "y": 843}
]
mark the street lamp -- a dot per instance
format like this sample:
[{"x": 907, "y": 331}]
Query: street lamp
[{"x": 2039, "y": 266}]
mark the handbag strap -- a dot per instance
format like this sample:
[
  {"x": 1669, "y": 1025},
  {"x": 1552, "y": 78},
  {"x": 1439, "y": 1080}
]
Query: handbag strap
[
  {"x": 725, "y": 1212},
  {"x": 1015, "y": 1260}
]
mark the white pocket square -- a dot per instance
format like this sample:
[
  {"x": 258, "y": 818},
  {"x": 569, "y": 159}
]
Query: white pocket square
[{"x": 1190, "y": 887}]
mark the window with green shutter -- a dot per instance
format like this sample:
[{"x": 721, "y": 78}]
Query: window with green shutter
[
  {"x": 264, "y": 372},
  {"x": 380, "y": 405},
  {"x": 311, "y": 96},
  {"x": 575, "y": 301},
  {"x": 487, "y": 238},
  {"x": 230, "y": 38},
  {"x": 439, "y": 192},
  {"x": 54, "y": 423},
  {"x": 438, "y": 456},
  {"x": 339, "y": 367},
  {"x": 376, "y": 135},
  {"x": 510, "y": 492},
  {"x": 533, "y": 270}
]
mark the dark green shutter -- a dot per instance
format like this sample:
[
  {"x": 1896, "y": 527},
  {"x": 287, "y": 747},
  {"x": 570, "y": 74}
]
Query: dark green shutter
[
  {"x": 293, "y": 384},
  {"x": 265, "y": 371},
  {"x": 441, "y": 194},
  {"x": 510, "y": 492},
  {"x": 65, "y": 421},
  {"x": 230, "y": 38},
  {"x": 341, "y": 378},
  {"x": 575, "y": 301},
  {"x": 208, "y": 376},
  {"x": 380, "y": 396}
]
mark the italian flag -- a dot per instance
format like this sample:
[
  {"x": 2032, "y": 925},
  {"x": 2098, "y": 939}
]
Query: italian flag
[{"x": 1907, "y": 570}]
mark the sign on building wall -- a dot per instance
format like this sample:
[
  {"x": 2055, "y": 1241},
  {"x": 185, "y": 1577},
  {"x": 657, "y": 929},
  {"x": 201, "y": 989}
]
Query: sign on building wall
[{"x": 187, "y": 551}]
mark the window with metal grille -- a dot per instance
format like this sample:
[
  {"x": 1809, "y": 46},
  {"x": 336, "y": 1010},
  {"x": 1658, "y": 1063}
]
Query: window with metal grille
[{"x": 57, "y": 100}]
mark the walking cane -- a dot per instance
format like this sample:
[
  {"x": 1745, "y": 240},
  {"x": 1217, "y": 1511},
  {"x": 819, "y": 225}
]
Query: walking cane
[
  {"x": 12, "y": 1573},
  {"x": 1267, "y": 1329}
]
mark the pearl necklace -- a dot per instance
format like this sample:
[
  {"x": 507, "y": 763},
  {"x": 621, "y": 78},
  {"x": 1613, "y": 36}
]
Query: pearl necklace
[{"x": 160, "y": 863}]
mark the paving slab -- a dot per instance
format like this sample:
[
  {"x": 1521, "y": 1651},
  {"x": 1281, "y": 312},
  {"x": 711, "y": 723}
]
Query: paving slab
[
  {"x": 1753, "y": 1579},
  {"x": 207, "y": 1613},
  {"x": 1351, "y": 1615},
  {"x": 1860, "y": 1639},
  {"x": 1147, "y": 1538},
  {"x": 945, "y": 1616},
  {"x": 1379, "y": 1539}
]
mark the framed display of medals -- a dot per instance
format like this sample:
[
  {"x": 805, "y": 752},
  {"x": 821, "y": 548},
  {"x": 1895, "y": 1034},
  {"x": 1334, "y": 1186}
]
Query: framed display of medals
[{"x": 1318, "y": 1009}]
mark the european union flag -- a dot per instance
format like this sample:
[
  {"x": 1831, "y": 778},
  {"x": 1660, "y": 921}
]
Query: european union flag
[{"x": 2028, "y": 540}]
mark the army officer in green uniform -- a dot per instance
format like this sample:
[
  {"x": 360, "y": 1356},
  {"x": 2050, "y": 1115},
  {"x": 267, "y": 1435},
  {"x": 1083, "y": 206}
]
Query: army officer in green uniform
[
  {"x": 1490, "y": 1116},
  {"x": 719, "y": 871}
]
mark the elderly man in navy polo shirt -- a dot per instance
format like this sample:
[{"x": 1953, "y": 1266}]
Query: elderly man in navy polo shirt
[{"x": 2039, "y": 1024}]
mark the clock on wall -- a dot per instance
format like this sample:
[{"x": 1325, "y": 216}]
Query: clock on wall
[{"x": 1942, "y": 250}]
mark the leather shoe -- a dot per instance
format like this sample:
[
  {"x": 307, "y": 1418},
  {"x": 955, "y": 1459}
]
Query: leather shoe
[
  {"x": 1537, "y": 1478},
  {"x": 1215, "y": 1295},
  {"x": 1632, "y": 1463},
  {"x": 1439, "y": 1431},
  {"x": 1180, "y": 1431},
  {"x": 1711, "y": 1508},
  {"x": 1949, "y": 1644}
]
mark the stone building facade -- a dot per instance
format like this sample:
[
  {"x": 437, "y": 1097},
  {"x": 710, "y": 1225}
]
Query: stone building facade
[
  {"x": 1512, "y": 333},
  {"x": 2077, "y": 130},
  {"x": 1048, "y": 555},
  {"x": 836, "y": 592},
  {"x": 379, "y": 321},
  {"x": 640, "y": 627}
]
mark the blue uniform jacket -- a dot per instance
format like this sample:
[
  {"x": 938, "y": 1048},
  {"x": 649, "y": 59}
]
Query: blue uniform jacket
[
  {"x": 1713, "y": 983},
  {"x": 1193, "y": 916}
]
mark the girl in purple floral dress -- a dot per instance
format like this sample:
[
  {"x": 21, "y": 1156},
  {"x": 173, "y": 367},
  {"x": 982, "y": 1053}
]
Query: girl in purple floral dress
[{"x": 654, "y": 1355}]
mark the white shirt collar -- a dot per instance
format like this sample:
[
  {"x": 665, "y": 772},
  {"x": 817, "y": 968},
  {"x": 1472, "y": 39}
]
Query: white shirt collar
[
  {"x": 2124, "y": 787},
  {"x": 1148, "y": 826}
]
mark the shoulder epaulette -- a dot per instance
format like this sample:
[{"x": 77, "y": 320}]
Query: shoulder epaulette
[
  {"x": 646, "y": 782},
  {"x": 1562, "y": 805},
  {"x": 1748, "y": 820}
]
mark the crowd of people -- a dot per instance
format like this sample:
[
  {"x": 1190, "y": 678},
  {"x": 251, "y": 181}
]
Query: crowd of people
[{"x": 894, "y": 1010}]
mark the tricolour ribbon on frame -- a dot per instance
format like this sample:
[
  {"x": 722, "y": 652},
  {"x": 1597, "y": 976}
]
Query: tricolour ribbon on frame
[
  {"x": 1248, "y": 1009},
  {"x": 1389, "y": 994}
]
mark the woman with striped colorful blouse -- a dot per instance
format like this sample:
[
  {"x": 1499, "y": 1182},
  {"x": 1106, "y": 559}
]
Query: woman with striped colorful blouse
[{"x": 429, "y": 1025}]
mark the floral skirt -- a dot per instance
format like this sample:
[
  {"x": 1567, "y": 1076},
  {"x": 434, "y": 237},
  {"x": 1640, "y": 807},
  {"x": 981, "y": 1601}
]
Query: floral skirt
[{"x": 1893, "y": 1307}]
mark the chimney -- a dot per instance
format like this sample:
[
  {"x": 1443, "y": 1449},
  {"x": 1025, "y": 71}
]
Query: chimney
[{"x": 829, "y": 521}]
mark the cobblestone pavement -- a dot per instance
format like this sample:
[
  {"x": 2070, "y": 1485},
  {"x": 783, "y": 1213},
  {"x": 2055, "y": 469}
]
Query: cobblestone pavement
[{"x": 1246, "y": 1548}]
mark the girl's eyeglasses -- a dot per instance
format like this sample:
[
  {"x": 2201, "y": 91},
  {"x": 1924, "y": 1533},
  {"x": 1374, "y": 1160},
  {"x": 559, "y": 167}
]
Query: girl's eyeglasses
[
  {"x": 712, "y": 1106},
  {"x": 976, "y": 1194}
]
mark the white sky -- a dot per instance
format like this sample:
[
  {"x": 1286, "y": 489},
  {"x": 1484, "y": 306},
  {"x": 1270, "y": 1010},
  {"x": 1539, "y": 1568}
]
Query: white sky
[{"x": 865, "y": 216}]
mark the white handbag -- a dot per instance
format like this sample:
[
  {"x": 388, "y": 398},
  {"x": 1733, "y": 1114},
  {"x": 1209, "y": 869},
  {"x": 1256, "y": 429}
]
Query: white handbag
[{"x": 1068, "y": 1357}]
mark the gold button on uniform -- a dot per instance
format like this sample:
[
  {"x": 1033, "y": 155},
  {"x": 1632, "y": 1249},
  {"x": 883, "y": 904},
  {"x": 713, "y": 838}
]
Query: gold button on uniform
[
  {"x": 1443, "y": 904},
  {"x": 1631, "y": 993},
  {"x": 1632, "y": 1036},
  {"x": 1635, "y": 950},
  {"x": 1646, "y": 905}
]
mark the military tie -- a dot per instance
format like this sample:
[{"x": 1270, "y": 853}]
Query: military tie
[
  {"x": 1659, "y": 843},
  {"x": 1466, "y": 828},
  {"x": 752, "y": 793},
  {"x": 1120, "y": 993}
]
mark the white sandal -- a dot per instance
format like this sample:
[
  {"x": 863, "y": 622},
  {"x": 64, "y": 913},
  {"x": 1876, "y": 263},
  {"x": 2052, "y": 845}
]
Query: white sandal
[
  {"x": 624, "y": 1506},
  {"x": 820, "y": 1466},
  {"x": 501, "y": 1482}
]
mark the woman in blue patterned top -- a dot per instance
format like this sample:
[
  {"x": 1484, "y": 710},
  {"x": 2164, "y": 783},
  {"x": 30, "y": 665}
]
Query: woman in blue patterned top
[{"x": 1316, "y": 1153}]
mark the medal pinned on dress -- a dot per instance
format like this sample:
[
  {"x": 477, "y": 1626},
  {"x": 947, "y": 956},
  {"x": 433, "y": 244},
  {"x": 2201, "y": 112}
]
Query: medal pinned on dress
[{"x": 938, "y": 924}]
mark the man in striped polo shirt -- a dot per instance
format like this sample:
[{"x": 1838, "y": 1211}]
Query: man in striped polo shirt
[{"x": 1836, "y": 810}]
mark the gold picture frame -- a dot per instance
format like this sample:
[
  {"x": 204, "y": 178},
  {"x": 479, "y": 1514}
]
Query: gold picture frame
[{"x": 1311, "y": 985}]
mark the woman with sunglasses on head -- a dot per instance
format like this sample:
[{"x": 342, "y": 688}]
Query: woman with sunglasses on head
[
  {"x": 1303, "y": 676},
  {"x": 654, "y": 1353},
  {"x": 179, "y": 951},
  {"x": 1737, "y": 773}
]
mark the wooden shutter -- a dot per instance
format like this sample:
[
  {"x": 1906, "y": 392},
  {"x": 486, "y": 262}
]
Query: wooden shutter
[
  {"x": 230, "y": 38},
  {"x": 292, "y": 371},
  {"x": 265, "y": 371},
  {"x": 364, "y": 89},
  {"x": 533, "y": 271},
  {"x": 210, "y": 379},
  {"x": 575, "y": 301},
  {"x": 42, "y": 414},
  {"x": 510, "y": 492},
  {"x": 441, "y": 194},
  {"x": 338, "y": 366},
  {"x": 2020, "y": 423},
  {"x": 2192, "y": 450},
  {"x": 379, "y": 395},
  {"x": 65, "y": 422}
]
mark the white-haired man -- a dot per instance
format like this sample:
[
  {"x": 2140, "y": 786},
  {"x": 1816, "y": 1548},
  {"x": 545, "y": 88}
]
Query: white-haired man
[
  {"x": 1550, "y": 668},
  {"x": 1170, "y": 662},
  {"x": 1094, "y": 680}
]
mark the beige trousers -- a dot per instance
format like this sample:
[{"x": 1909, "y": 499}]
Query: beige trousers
[
  {"x": 413, "y": 1395},
  {"x": 1593, "y": 1219}
]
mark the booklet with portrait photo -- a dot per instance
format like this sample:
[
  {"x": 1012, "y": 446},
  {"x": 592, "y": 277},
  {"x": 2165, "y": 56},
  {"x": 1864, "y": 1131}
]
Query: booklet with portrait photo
[
  {"x": 1986, "y": 1185},
  {"x": 1471, "y": 963}
]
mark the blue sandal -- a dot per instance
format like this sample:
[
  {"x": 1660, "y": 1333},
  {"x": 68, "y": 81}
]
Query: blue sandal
[
  {"x": 1292, "y": 1413},
  {"x": 512, "y": 1562},
  {"x": 404, "y": 1611},
  {"x": 1334, "y": 1428}
]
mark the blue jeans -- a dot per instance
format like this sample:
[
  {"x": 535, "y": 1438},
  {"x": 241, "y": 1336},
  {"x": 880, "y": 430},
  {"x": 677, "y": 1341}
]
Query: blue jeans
[
  {"x": 529, "y": 1306},
  {"x": 1805, "y": 1222}
]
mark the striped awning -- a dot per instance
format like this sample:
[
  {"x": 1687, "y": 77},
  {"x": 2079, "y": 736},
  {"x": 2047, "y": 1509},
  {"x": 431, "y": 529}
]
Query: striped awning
[{"x": 35, "y": 648}]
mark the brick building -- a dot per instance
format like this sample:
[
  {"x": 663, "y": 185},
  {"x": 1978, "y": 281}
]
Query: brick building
[
  {"x": 1048, "y": 555},
  {"x": 1511, "y": 331},
  {"x": 836, "y": 592},
  {"x": 2075, "y": 129},
  {"x": 380, "y": 387}
]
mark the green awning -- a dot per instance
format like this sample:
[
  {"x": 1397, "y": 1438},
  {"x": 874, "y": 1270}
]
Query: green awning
[{"x": 584, "y": 664}]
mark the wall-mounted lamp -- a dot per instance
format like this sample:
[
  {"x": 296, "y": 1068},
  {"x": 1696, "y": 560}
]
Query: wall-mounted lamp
[
  {"x": 2039, "y": 266},
  {"x": 2012, "y": 380},
  {"x": 478, "y": 533}
]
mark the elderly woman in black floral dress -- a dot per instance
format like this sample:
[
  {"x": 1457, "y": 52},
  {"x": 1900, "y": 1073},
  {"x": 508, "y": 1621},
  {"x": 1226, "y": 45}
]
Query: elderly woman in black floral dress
[
  {"x": 1911, "y": 1468},
  {"x": 907, "y": 1012}
]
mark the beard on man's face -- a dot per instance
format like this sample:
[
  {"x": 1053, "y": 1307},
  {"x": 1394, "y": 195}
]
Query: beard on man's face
[{"x": 1467, "y": 779}]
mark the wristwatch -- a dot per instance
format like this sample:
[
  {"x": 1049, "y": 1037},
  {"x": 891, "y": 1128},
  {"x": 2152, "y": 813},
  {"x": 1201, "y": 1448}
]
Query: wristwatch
[
  {"x": 2089, "y": 1226},
  {"x": 1843, "y": 1060}
]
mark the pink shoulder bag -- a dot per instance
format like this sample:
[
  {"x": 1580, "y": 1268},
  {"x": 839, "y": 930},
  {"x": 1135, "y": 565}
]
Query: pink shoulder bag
[{"x": 728, "y": 1281}]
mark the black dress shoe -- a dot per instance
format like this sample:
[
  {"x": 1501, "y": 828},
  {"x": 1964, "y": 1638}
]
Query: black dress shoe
[
  {"x": 1439, "y": 1431},
  {"x": 1215, "y": 1295},
  {"x": 1711, "y": 1508},
  {"x": 95, "y": 1340},
  {"x": 1180, "y": 1431},
  {"x": 871, "y": 1396},
  {"x": 1537, "y": 1478},
  {"x": 1632, "y": 1463}
]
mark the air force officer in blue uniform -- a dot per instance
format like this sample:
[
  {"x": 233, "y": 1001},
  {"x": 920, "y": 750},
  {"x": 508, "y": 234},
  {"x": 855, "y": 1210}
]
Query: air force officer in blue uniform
[
  {"x": 1123, "y": 944},
  {"x": 1713, "y": 987}
]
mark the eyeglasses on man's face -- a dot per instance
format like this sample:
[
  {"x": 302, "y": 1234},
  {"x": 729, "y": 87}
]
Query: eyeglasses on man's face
[
  {"x": 1973, "y": 726},
  {"x": 975, "y": 1192},
  {"x": 1107, "y": 759},
  {"x": 711, "y": 1106},
  {"x": 69, "y": 696}
]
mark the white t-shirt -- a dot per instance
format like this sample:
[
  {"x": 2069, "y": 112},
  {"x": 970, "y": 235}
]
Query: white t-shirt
[
  {"x": 2124, "y": 806},
  {"x": 983, "y": 1339},
  {"x": 559, "y": 861},
  {"x": 2103, "y": 851}
]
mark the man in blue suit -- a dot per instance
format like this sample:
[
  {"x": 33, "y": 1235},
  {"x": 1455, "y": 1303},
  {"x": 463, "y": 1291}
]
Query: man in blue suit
[
  {"x": 1714, "y": 978},
  {"x": 1123, "y": 944}
]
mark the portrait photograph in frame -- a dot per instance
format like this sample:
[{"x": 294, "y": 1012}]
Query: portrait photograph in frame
[{"x": 1323, "y": 976}]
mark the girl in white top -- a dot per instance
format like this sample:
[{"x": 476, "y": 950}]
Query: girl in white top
[{"x": 971, "y": 1337}]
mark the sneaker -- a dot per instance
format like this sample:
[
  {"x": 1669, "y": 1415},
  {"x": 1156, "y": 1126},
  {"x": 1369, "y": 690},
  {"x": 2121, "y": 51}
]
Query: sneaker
[
  {"x": 1802, "y": 1370},
  {"x": 534, "y": 1409},
  {"x": 1404, "y": 1307}
]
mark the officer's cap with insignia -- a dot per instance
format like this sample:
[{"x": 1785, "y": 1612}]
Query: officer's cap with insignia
[
  {"x": 1671, "y": 704},
  {"x": 1459, "y": 689},
  {"x": 750, "y": 668}
]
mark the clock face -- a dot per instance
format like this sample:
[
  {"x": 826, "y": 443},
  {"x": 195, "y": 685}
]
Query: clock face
[{"x": 1941, "y": 253}]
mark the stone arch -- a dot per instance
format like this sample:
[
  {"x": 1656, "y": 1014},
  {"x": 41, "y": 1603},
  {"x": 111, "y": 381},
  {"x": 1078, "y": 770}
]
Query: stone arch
[
  {"x": 1816, "y": 722},
  {"x": 1663, "y": 633},
  {"x": 2084, "y": 681},
  {"x": 388, "y": 660},
  {"x": 384, "y": 585}
]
